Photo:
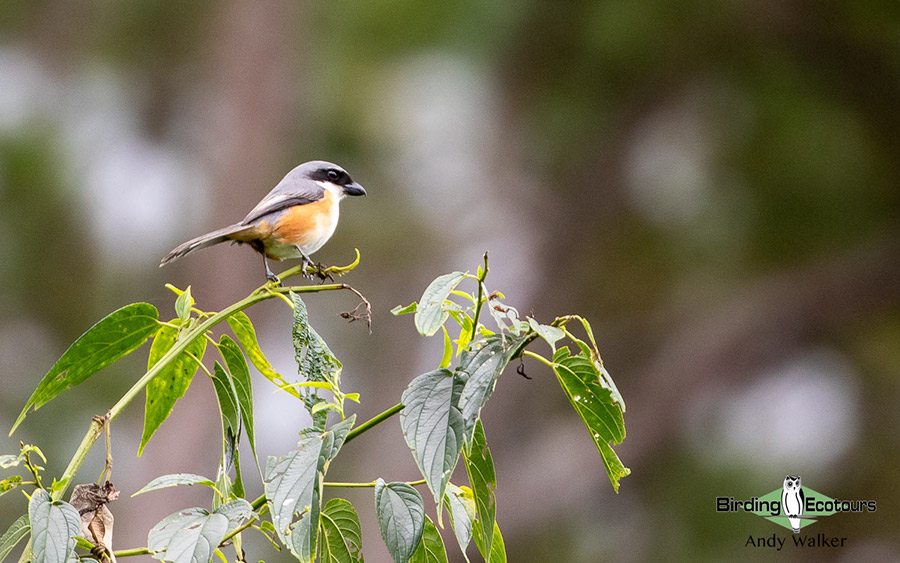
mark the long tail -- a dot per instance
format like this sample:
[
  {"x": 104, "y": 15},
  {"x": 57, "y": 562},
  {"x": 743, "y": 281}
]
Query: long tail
[{"x": 209, "y": 239}]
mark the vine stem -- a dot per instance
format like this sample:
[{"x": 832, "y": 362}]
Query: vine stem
[
  {"x": 478, "y": 301},
  {"x": 262, "y": 293},
  {"x": 374, "y": 421}
]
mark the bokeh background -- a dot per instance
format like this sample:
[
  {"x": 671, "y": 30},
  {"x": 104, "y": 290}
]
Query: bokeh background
[{"x": 713, "y": 184}]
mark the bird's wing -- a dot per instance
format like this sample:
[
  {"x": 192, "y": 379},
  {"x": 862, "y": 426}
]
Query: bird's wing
[{"x": 288, "y": 193}]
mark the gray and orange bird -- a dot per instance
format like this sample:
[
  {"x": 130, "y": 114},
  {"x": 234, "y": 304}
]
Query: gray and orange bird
[{"x": 294, "y": 220}]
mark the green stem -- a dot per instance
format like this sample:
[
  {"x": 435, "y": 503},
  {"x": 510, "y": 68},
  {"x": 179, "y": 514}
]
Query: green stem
[
  {"x": 374, "y": 421},
  {"x": 132, "y": 552},
  {"x": 260, "y": 294},
  {"x": 542, "y": 359},
  {"x": 478, "y": 302},
  {"x": 237, "y": 530}
]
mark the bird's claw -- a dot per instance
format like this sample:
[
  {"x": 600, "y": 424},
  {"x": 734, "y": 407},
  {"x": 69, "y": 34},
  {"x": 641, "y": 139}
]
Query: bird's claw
[{"x": 319, "y": 270}]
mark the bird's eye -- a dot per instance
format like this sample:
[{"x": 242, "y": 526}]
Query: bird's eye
[{"x": 333, "y": 175}]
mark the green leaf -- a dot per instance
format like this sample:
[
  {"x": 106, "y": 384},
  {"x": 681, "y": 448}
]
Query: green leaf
[
  {"x": 461, "y": 506},
  {"x": 594, "y": 403},
  {"x": 498, "y": 546},
  {"x": 187, "y": 536},
  {"x": 171, "y": 383},
  {"x": 10, "y": 483},
  {"x": 240, "y": 377},
  {"x": 54, "y": 525},
  {"x": 594, "y": 354},
  {"x": 293, "y": 486},
  {"x": 480, "y": 369},
  {"x": 183, "y": 304},
  {"x": 549, "y": 333},
  {"x": 433, "y": 426},
  {"x": 174, "y": 480},
  {"x": 9, "y": 460},
  {"x": 115, "y": 336},
  {"x": 431, "y": 548},
  {"x": 340, "y": 431},
  {"x": 229, "y": 411},
  {"x": 482, "y": 478},
  {"x": 340, "y": 533},
  {"x": 430, "y": 314},
  {"x": 448, "y": 349},
  {"x": 237, "y": 511},
  {"x": 245, "y": 333},
  {"x": 314, "y": 358},
  {"x": 16, "y": 532},
  {"x": 400, "y": 310},
  {"x": 401, "y": 518},
  {"x": 506, "y": 317},
  {"x": 228, "y": 404}
]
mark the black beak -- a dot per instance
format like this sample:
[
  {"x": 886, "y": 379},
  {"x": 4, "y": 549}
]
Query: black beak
[{"x": 354, "y": 189}]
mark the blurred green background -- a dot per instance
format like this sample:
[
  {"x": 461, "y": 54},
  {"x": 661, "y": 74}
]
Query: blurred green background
[{"x": 713, "y": 184}]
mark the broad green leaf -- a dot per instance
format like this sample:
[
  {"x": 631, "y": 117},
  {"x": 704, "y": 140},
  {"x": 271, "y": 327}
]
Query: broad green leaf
[
  {"x": 237, "y": 511},
  {"x": 460, "y": 505},
  {"x": 340, "y": 431},
  {"x": 240, "y": 377},
  {"x": 433, "y": 426},
  {"x": 431, "y": 548},
  {"x": 183, "y": 304},
  {"x": 594, "y": 403},
  {"x": 225, "y": 487},
  {"x": 171, "y": 383},
  {"x": 293, "y": 486},
  {"x": 550, "y": 334},
  {"x": 231, "y": 430},
  {"x": 187, "y": 536},
  {"x": 54, "y": 525},
  {"x": 594, "y": 354},
  {"x": 400, "y": 310},
  {"x": 10, "y": 483},
  {"x": 314, "y": 359},
  {"x": 480, "y": 369},
  {"x": 340, "y": 533},
  {"x": 482, "y": 478},
  {"x": 245, "y": 333},
  {"x": 498, "y": 546},
  {"x": 430, "y": 314},
  {"x": 16, "y": 532},
  {"x": 401, "y": 518},
  {"x": 115, "y": 336},
  {"x": 174, "y": 480}
]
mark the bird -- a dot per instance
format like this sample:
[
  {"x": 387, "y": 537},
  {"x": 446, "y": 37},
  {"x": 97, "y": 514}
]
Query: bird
[
  {"x": 792, "y": 499},
  {"x": 292, "y": 221}
]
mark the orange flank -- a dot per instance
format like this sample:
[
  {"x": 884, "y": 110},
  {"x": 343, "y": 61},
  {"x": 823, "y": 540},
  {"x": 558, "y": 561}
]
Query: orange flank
[{"x": 308, "y": 226}]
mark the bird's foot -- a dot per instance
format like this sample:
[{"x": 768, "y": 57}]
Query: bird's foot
[
  {"x": 322, "y": 272},
  {"x": 314, "y": 270}
]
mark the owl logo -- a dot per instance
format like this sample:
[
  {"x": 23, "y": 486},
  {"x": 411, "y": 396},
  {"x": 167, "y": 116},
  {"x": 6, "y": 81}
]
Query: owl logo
[{"x": 792, "y": 501}]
